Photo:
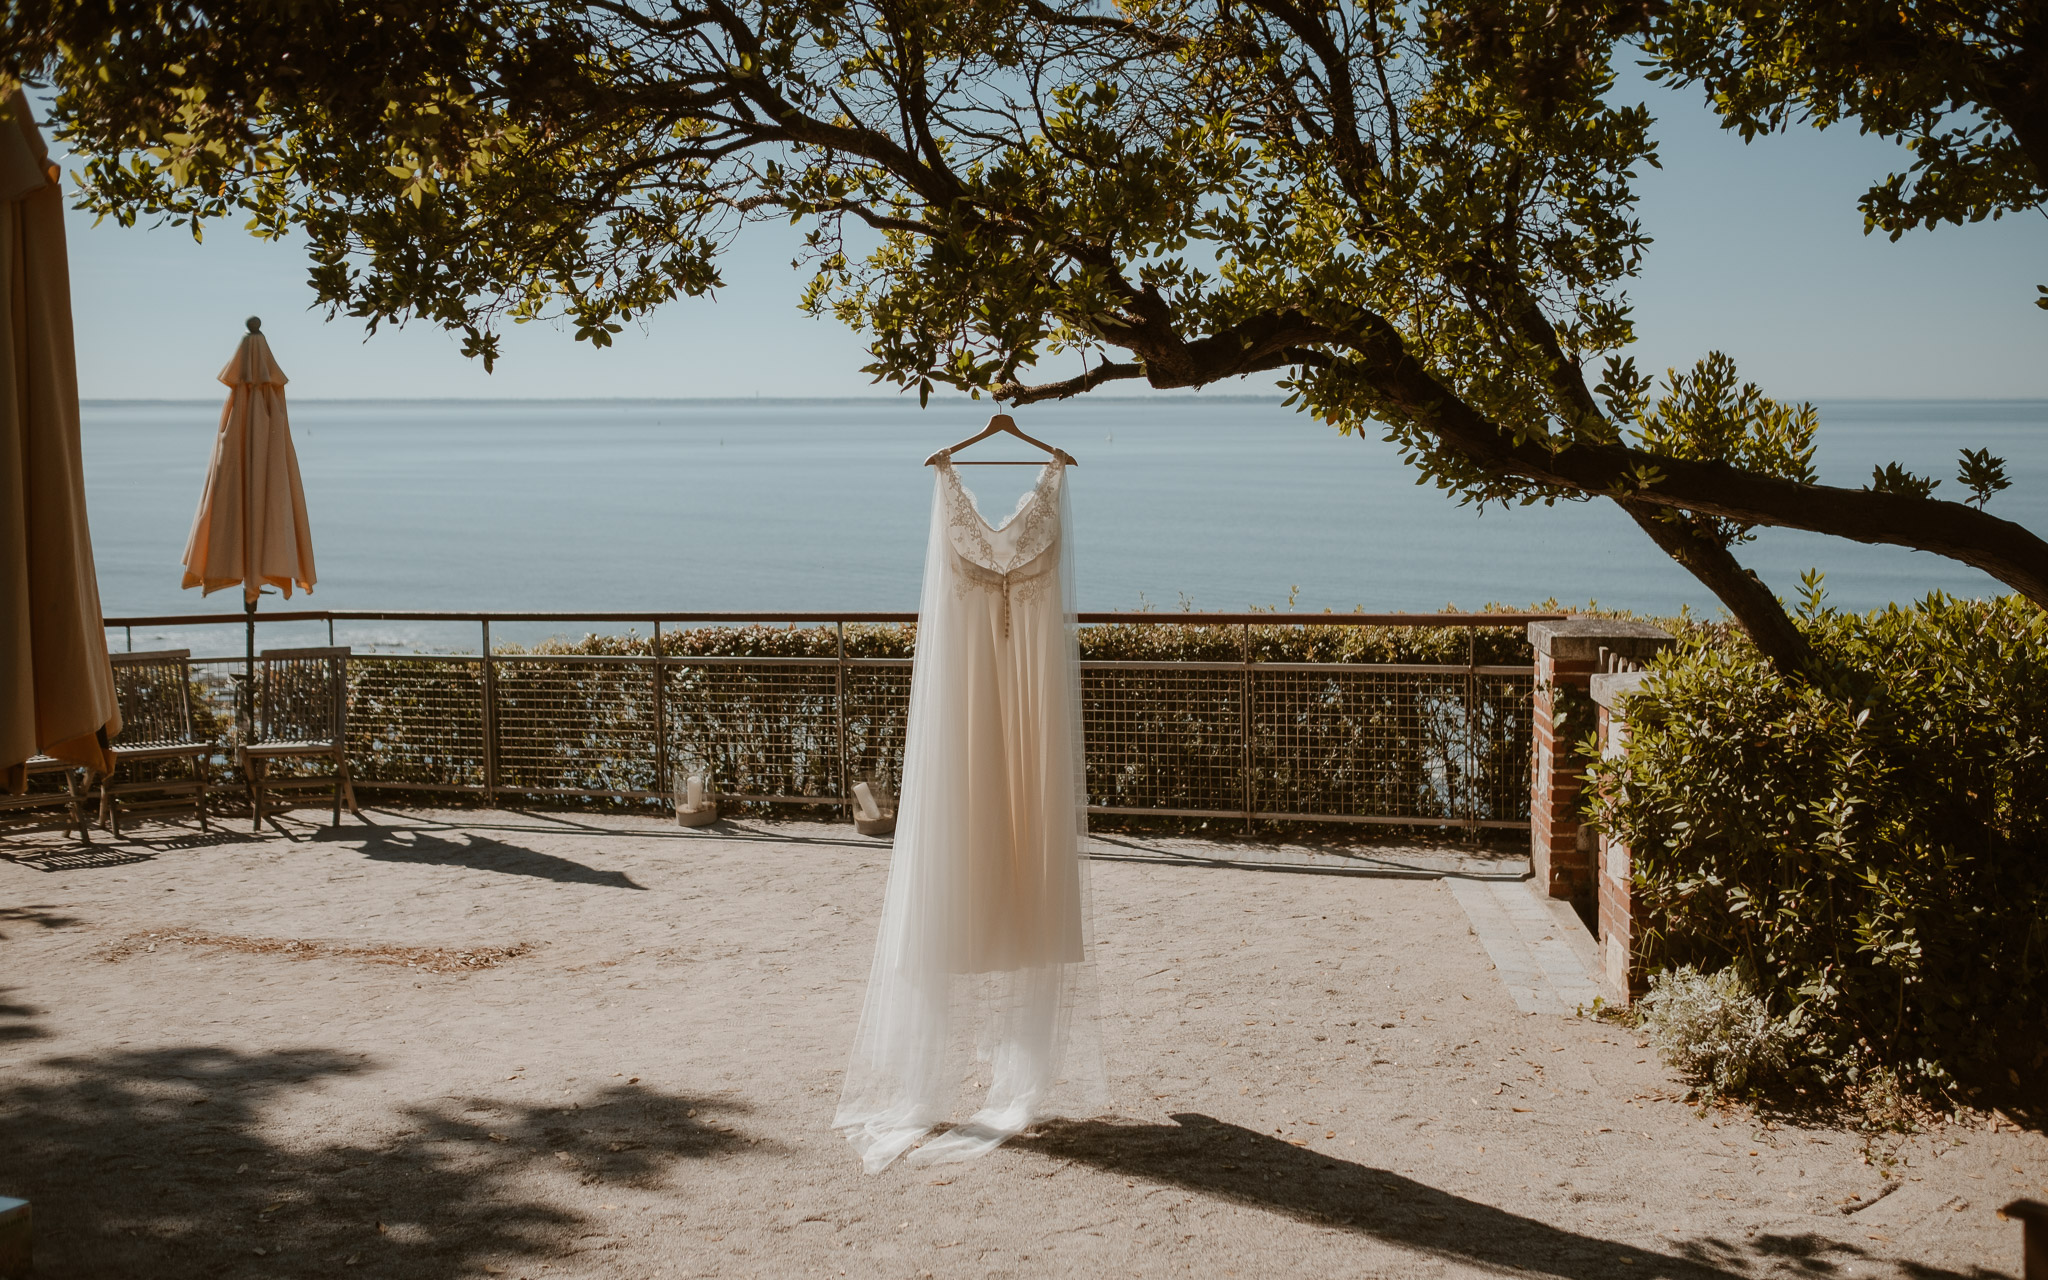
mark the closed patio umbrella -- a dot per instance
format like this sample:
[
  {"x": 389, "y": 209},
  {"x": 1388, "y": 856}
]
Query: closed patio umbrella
[
  {"x": 251, "y": 529},
  {"x": 56, "y": 686}
]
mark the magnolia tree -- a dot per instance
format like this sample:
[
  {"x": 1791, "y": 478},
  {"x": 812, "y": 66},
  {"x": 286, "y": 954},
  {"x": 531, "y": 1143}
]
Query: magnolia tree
[{"x": 1420, "y": 215}]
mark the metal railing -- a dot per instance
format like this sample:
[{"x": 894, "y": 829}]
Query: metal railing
[{"x": 1251, "y": 738}]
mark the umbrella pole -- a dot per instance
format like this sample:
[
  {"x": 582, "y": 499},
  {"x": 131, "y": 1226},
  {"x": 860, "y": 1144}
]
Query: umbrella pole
[
  {"x": 249, "y": 669},
  {"x": 250, "y": 576}
]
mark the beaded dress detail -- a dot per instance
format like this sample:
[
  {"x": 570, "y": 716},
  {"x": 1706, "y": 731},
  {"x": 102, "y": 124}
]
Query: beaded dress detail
[{"x": 1015, "y": 559}]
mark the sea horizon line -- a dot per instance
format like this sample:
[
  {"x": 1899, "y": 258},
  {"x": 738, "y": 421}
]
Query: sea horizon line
[{"x": 1237, "y": 398}]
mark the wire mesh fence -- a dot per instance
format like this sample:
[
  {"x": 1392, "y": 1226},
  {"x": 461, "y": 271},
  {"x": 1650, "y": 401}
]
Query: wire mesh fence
[
  {"x": 1217, "y": 721},
  {"x": 760, "y": 729},
  {"x": 421, "y": 719},
  {"x": 1164, "y": 738}
]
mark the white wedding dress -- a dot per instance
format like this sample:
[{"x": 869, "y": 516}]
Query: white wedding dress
[{"x": 983, "y": 971}]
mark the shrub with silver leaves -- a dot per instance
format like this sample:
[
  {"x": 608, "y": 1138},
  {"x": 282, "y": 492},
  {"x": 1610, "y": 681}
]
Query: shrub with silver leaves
[{"x": 1716, "y": 1030}]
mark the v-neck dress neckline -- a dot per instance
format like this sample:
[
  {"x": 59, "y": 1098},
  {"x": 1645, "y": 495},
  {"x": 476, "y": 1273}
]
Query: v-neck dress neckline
[{"x": 1029, "y": 496}]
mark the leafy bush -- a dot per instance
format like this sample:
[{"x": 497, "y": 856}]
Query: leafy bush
[
  {"x": 1715, "y": 1030},
  {"x": 1171, "y": 736},
  {"x": 1156, "y": 642},
  {"x": 1873, "y": 848},
  {"x": 1160, "y": 738}
]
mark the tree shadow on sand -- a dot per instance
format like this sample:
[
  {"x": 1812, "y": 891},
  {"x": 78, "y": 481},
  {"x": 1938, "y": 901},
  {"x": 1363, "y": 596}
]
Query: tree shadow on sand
[
  {"x": 17, "y": 1020},
  {"x": 1227, "y": 1162},
  {"x": 157, "y": 1163},
  {"x": 40, "y": 916},
  {"x": 477, "y": 853}
]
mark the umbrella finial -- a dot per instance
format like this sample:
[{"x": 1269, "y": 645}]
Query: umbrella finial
[{"x": 255, "y": 324}]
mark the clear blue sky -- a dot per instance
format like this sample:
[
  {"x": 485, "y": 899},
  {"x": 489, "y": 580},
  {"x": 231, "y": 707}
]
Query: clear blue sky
[{"x": 1759, "y": 252}]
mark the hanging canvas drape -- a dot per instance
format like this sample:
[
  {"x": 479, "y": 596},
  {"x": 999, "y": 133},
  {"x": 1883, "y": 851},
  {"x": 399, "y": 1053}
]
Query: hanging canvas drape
[{"x": 56, "y": 686}]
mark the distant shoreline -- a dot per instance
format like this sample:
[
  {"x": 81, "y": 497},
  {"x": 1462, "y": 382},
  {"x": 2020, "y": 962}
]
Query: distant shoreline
[
  {"x": 948, "y": 401},
  {"x": 585, "y": 400}
]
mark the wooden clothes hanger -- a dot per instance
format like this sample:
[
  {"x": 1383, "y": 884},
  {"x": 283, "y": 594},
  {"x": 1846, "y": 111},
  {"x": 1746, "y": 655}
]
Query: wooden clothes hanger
[{"x": 1001, "y": 422}]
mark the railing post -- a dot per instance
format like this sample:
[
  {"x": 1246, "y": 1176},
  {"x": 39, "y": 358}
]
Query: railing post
[
  {"x": 1244, "y": 728},
  {"x": 1567, "y": 654},
  {"x": 839, "y": 717},
  {"x": 1472, "y": 768},
  {"x": 661, "y": 787},
  {"x": 490, "y": 710}
]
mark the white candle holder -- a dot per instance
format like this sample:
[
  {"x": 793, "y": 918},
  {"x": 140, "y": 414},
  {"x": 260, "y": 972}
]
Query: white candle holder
[
  {"x": 874, "y": 809},
  {"x": 696, "y": 804}
]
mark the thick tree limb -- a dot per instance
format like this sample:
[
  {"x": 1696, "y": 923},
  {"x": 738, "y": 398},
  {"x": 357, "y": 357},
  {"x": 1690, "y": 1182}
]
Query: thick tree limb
[
  {"x": 1109, "y": 371},
  {"x": 2007, "y": 551},
  {"x": 1164, "y": 42},
  {"x": 1745, "y": 594}
]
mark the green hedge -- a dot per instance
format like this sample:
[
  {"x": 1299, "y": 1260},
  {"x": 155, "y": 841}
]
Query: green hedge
[
  {"x": 1873, "y": 851},
  {"x": 1159, "y": 739},
  {"x": 1165, "y": 642}
]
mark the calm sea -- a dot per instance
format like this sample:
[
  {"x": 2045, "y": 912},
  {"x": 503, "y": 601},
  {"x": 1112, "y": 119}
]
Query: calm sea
[{"x": 1215, "y": 503}]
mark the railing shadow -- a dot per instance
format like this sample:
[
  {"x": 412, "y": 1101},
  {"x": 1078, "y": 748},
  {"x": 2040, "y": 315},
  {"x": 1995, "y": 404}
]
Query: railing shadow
[
  {"x": 1380, "y": 862},
  {"x": 470, "y": 851},
  {"x": 1228, "y": 1162},
  {"x": 172, "y": 839},
  {"x": 158, "y": 1163},
  {"x": 649, "y": 827}
]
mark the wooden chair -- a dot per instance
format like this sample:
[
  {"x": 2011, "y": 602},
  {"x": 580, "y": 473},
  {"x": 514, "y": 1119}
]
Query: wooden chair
[
  {"x": 301, "y": 713},
  {"x": 156, "y": 724},
  {"x": 71, "y": 799}
]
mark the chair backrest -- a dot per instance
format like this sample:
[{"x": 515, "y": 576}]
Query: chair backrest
[
  {"x": 305, "y": 695},
  {"x": 155, "y": 690}
]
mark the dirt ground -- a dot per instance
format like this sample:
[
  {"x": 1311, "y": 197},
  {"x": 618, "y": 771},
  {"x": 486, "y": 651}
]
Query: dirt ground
[{"x": 512, "y": 1044}]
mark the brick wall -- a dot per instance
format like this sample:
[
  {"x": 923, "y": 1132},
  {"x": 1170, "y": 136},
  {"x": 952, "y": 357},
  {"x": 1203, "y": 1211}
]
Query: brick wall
[
  {"x": 1562, "y": 865},
  {"x": 1614, "y": 875},
  {"x": 1569, "y": 654}
]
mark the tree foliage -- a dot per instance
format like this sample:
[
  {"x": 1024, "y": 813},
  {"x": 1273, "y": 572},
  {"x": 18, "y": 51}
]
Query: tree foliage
[
  {"x": 1423, "y": 214},
  {"x": 1959, "y": 84}
]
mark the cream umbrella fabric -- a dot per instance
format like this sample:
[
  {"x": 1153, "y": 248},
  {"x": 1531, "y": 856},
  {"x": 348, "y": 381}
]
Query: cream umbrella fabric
[
  {"x": 251, "y": 528},
  {"x": 56, "y": 687}
]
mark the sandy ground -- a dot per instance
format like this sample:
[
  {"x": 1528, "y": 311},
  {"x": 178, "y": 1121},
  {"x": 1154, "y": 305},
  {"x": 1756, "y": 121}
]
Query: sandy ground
[{"x": 618, "y": 1045}]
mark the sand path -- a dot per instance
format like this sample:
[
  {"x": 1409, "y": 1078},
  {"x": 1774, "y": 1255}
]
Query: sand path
[{"x": 1315, "y": 1075}]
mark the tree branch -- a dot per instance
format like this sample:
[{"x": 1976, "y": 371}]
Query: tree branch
[
  {"x": 2007, "y": 551},
  {"x": 1019, "y": 393},
  {"x": 1745, "y": 594},
  {"x": 1160, "y": 41}
]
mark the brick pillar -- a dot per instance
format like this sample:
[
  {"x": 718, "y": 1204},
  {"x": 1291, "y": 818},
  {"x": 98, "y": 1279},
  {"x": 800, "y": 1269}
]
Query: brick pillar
[
  {"x": 1614, "y": 872},
  {"x": 1567, "y": 656}
]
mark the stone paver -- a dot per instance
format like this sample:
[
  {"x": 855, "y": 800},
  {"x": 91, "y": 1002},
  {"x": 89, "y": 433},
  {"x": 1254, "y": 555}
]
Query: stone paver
[{"x": 1541, "y": 952}]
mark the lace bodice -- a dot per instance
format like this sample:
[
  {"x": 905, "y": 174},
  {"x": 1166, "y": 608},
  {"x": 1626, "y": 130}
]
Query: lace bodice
[
  {"x": 1030, "y": 531},
  {"x": 1013, "y": 558}
]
